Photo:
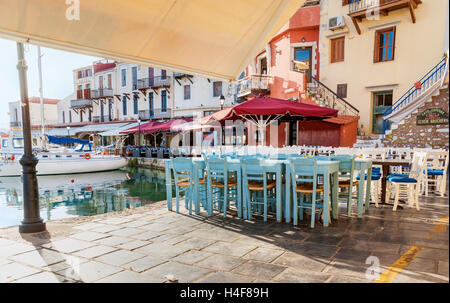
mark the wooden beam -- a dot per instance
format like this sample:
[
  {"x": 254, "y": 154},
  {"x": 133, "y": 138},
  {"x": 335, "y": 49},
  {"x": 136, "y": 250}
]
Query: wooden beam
[
  {"x": 411, "y": 11},
  {"x": 355, "y": 23},
  {"x": 190, "y": 80}
]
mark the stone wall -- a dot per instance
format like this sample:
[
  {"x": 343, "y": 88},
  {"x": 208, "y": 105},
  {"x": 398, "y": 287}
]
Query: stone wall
[{"x": 409, "y": 134}]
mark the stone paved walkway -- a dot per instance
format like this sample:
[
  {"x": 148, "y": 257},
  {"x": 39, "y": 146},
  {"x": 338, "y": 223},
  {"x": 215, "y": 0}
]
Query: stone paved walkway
[{"x": 163, "y": 246}]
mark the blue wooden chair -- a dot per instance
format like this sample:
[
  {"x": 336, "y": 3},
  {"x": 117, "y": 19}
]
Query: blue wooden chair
[
  {"x": 221, "y": 187},
  {"x": 183, "y": 171},
  {"x": 255, "y": 179},
  {"x": 346, "y": 179},
  {"x": 304, "y": 182}
]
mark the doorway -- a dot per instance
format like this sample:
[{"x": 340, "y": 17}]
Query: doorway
[
  {"x": 304, "y": 54},
  {"x": 382, "y": 103}
]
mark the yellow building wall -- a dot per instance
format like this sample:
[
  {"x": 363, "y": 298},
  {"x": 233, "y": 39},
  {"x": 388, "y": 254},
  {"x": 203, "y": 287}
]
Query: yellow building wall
[{"x": 418, "y": 47}]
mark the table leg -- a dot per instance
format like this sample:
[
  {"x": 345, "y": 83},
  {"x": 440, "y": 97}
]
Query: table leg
[
  {"x": 197, "y": 191},
  {"x": 384, "y": 183},
  {"x": 369, "y": 184},
  {"x": 168, "y": 187},
  {"x": 334, "y": 194},
  {"x": 326, "y": 199},
  {"x": 239, "y": 193},
  {"x": 361, "y": 187},
  {"x": 287, "y": 201},
  {"x": 279, "y": 195}
]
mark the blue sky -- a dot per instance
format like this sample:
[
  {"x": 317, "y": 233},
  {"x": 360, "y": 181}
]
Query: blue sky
[{"x": 57, "y": 75}]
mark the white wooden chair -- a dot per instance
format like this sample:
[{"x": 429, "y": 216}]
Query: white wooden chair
[
  {"x": 436, "y": 172},
  {"x": 408, "y": 186}
]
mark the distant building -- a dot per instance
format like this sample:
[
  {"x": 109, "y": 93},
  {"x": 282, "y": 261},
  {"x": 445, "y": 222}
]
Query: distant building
[{"x": 50, "y": 112}]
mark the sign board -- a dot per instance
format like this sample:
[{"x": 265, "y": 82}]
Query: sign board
[{"x": 432, "y": 116}]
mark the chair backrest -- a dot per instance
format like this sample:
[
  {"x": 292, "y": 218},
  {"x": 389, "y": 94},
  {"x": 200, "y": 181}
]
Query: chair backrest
[
  {"x": 253, "y": 170},
  {"x": 438, "y": 160},
  {"x": 346, "y": 163},
  {"x": 182, "y": 168},
  {"x": 419, "y": 165},
  {"x": 217, "y": 168},
  {"x": 303, "y": 170}
]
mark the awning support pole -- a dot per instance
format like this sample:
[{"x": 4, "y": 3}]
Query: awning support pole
[{"x": 32, "y": 222}]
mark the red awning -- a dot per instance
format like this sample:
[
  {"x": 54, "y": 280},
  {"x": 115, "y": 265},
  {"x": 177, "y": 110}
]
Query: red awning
[
  {"x": 168, "y": 126},
  {"x": 143, "y": 128},
  {"x": 266, "y": 106}
]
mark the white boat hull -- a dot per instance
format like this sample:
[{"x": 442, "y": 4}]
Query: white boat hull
[{"x": 63, "y": 166}]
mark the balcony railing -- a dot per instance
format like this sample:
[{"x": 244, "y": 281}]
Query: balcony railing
[
  {"x": 155, "y": 114},
  {"x": 363, "y": 5},
  {"x": 102, "y": 93},
  {"x": 154, "y": 82},
  {"x": 15, "y": 124},
  {"x": 254, "y": 84},
  {"x": 80, "y": 103}
]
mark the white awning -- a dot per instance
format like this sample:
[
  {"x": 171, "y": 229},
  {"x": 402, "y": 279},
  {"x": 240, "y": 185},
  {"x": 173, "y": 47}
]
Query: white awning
[
  {"x": 95, "y": 128},
  {"x": 116, "y": 131},
  {"x": 209, "y": 38},
  {"x": 62, "y": 132}
]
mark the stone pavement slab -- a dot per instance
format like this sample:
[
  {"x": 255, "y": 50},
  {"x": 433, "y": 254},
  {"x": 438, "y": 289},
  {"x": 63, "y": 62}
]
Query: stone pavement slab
[
  {"x": 192, "y": 256},
  {"x": 94, "y": 251},
  {"x": 90, "y": 271},
  {"x": 44, "y": 277},
  {"x": 221, "y": 262},
  {"x": 143, "y": 264},
  {"x": 225, "y": 277},
  {"x": 263, "y": 254},
  {"x": 259, "y": 270},
  {"x": 184, "y": 273},
  {"x": 14, "y": 271},
  {"x": 127, "y": 276},
  {"x": 160, "y": 250},
  {"x": 120, "y": 257},
  {"x": 296, "y": 275},
  {"x": 89, "y": 236},
  {"x": 39, "y": 257},
  {"x": 68, "y": 245},
  {"x": 232, "y": 249}
]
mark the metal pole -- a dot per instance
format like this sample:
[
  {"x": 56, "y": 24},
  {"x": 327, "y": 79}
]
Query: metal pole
[
  {"x": 41, "y": 95},
  {"x": 32, "y": 222}
]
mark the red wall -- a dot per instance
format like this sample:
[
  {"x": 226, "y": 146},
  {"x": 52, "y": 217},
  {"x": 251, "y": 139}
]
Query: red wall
[{"x": 319, "y": 133}]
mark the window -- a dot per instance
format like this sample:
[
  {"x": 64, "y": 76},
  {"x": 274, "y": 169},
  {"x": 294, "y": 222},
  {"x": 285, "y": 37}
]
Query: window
[
  {"x": 63, "y": 118},
  {"x": 80, "y": 75},
  {"x": 337, "y": 49},
  {"x": 134, "y": 75},
  {"x": 136, "y": 104},
  {"x": 382, "y": 102},
  {"x": 100, "y": 82},
  {"x": 163, "y": 74},
  {"x": 124, "y": 105},
  {"x": 164, "y": 101},
  {"x": 70, "y": 116},
  {"x": 342, "y": 90},
  {"x": 217, "y": 89},
  {"x": 263, "y": 66},
  {"x": 124, "y": 77},
  {"x": 187, "y": 92},
  {"x": 150, "y": 104},
  {"x": 109, "y": 81},
  {"x": 384, "y": 45},
  {"x": 346, "y": 2},
  {"x": 88, "y": 73}
]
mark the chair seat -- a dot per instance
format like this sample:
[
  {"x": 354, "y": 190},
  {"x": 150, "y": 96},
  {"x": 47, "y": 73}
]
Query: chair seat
[
  {"x": 435, "y": 172},
  {"x": 401, "y": 179},
  {"x": 346, "y": 183},
  {"x": 308, "y": 188},
  {"x": 255, "y": 185},
  {"x": 187, "y": 183},
  {"x": 220, "y": 184},
  {"x": 375, "y": 177}
]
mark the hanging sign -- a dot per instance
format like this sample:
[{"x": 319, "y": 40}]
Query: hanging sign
[{"x": 432, "y": 116}]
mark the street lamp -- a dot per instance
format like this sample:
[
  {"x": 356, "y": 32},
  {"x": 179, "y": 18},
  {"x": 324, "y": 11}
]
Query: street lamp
[
  {"x": 32, "y": 221},
  {"x": 222, "y": 101},
  {"x": 139, "y": 134}
]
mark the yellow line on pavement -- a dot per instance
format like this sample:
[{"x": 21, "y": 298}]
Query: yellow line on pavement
[{"x": 390, "y": 273}]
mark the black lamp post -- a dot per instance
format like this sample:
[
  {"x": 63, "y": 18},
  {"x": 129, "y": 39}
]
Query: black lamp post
[
  {"x": 139, "y": 134},
  {"x": 32, "y": 221},
  {"x": 222, "y": 101}
]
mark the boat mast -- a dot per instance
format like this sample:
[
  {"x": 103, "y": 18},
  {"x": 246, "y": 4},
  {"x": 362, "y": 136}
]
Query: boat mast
[{"x": 41, "y": 96}]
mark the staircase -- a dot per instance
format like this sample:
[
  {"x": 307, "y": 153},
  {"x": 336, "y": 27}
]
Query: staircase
[
  {"x": 324, "y": 96},
  {"x": 431, "y": 85}
]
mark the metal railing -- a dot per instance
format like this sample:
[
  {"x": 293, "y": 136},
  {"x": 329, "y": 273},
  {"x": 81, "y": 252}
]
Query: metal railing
[
  {"x": 101, "y": 93},
  {"x": 436, "y": 74},
  {"x": 81, "y": 103},
  {"x": 329, "y": 98},
  {"x": 362, "y": 5},
  {"x": 253, "y": 82},
  {"x": 154, "y": 82},
  {"x": 157, "y": 113}
]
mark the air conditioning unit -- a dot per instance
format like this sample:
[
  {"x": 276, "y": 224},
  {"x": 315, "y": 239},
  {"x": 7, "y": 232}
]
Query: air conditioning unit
[{"x": 336, "y": 22}]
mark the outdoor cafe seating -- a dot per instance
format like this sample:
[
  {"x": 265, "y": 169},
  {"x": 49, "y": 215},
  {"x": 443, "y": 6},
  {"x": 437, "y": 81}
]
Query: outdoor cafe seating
[{"x": 284, "y": 183}]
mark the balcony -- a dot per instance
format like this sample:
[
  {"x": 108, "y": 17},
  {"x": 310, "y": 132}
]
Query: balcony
[
  {"x": 15, "y": 124},
  {"x": 365, "y": 8},
  {"x": 155, "y": 114},
  {"x": 254, "y": 85},
  {"x": 154, "y": 82},
  {"x": 80, "y": 103},
  {"x": 102, "y": 93}
]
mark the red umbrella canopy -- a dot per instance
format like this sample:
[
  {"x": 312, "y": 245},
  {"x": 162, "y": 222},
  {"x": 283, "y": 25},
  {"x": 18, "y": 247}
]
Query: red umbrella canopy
[
  {"x": 143, "y": 128},
  {"x": 169, "y": 126},
  {"x": 267, "y": 106}
]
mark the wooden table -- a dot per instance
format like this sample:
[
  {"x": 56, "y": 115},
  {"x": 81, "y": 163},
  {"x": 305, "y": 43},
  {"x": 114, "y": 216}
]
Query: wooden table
[{"x": 386, "y": 164}]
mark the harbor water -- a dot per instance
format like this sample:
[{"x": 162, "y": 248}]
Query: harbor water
[{"x": 65, "y": 196}]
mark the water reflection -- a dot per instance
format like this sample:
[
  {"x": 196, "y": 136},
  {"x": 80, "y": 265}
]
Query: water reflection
[{"x": 76, "y": 195}]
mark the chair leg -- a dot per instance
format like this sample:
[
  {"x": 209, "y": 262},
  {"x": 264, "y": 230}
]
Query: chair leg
[
  {"x": 349, "y": 201},
  {"x": 265, "y": 205},
  {"x": 313, "y": 211},
  {"x": 301, "y": 209},
  {"x": 225, "y": 201},
  {"x": 397, "y": 193},
  {"x": 177, "y": 192},
  {"x": 416, "y": 197}
]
